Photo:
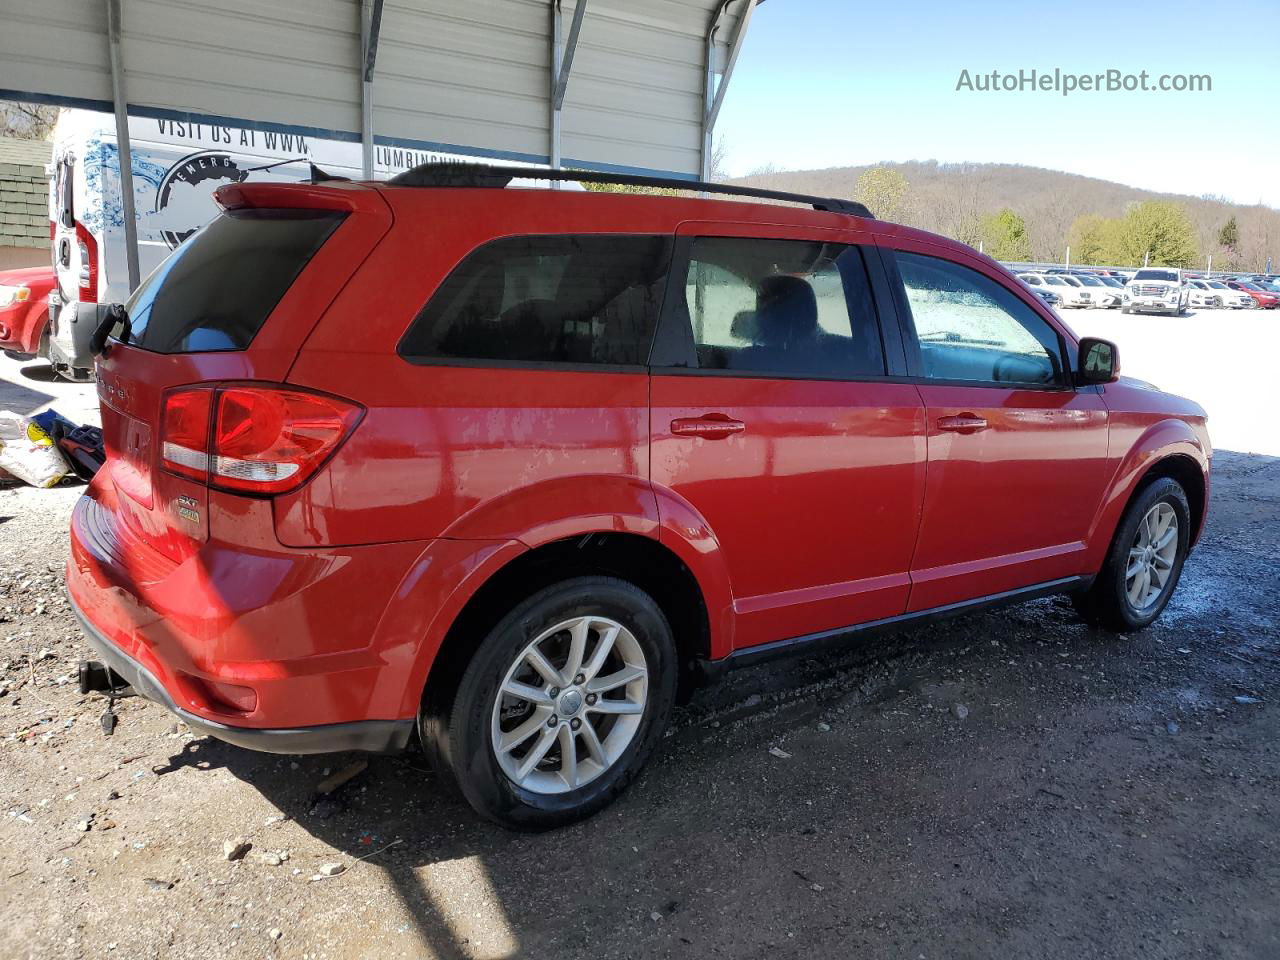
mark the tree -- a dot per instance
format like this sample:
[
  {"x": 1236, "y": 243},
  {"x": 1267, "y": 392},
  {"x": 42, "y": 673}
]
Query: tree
[
  {"x": 883, "y": 191},
  {"x": 1004, "y": 236},
  {"x": 26, "y": 121},
  {"x": 1229, "y": 235},
  {"x": 1160, "y": 229},
  {"x": 1093, "y": 239},
  {"x": 719, "y": 160}
]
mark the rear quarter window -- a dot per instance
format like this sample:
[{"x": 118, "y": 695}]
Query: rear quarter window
[
  {"x": 216, "y": 290},
  {"x": 566, "y": 299}
]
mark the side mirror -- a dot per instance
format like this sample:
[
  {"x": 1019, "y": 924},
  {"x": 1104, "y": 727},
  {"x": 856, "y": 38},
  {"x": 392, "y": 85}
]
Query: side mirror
[{"x": 1099, "y": 361}]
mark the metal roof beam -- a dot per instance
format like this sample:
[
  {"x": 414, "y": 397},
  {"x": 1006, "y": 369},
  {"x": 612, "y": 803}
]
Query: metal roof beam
[
  {"x": 561, "y": 66},
  {"x": 124, "y": 152},
  {"x": 734, "y": 49},
  {"x": 370, "y": 30}
]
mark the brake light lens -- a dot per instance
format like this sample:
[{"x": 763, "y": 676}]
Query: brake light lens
[
  {"x": 185, "y": 445},
  {"x": 253, "y": 439},
  {"x": 88, "y": 264}
]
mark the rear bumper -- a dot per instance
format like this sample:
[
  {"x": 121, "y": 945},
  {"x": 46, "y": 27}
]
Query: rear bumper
[
  {"x": 296, "y": 629},
  {"x": 373, "y": 736}
]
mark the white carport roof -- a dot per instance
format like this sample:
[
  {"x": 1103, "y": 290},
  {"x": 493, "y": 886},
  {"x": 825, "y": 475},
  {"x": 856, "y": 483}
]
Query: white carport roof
[{"x": 638, "y": 78}]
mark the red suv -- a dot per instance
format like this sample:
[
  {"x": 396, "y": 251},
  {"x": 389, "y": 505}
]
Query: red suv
[{"x": 512, "y": 469}]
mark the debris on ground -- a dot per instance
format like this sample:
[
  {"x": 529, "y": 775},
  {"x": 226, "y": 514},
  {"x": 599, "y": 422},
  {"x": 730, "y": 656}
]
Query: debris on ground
[
  {"x": 29, "y": 453},
  {"x": 334, "y": 781},
  {"x": 779, "y": 753},
  {"x": 236, "y": 849}
]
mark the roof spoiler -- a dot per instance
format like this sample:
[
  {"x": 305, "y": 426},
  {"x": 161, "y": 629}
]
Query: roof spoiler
[{"x": 481, "y": 175}]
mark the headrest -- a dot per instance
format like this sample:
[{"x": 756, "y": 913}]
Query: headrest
[{"x": 786, "y": 310}]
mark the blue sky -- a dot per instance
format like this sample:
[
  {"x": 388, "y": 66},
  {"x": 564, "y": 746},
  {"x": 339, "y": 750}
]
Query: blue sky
[{"x": 833, "y": 82}]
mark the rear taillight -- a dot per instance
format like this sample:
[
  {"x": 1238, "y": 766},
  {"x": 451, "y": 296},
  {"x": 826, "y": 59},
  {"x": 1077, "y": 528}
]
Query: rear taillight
[
  {"x": 88, "y": 264},
  {"x": 185, "y": 435},
  {"x": 252, "y": 439}
]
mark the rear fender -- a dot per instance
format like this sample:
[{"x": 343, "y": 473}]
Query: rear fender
[
  {"x": 479, "y": 544},
  {"x": 1166, "y": 438}
]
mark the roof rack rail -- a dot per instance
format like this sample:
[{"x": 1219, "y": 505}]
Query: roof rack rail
[{"x": 479, "y": 175}]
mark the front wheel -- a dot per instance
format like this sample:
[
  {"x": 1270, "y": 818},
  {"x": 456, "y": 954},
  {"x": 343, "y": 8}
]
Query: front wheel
[
  {"x": 562, "y": 704},
  {"x": 1144, "y": 561}
]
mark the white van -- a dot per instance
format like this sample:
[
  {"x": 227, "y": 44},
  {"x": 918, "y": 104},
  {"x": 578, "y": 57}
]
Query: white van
[{"x": 176, "y": 167}]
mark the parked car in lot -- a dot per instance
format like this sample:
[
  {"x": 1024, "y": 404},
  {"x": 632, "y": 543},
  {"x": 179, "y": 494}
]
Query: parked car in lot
[
  {"x": 24, "y": 310},
  {"x": 511, "y": 470},
  {"x": 1214, "y": 293},
  {"x": 1102, "y": 293},
  {"x": 1156, "y": 290},
  {"x": 1263, "y": 299},
  {"x": 1041, "y": 291},
  {"x": 1071, "y": 294}
]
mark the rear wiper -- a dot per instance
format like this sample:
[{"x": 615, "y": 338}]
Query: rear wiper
[{"x": 108, "y": 317}]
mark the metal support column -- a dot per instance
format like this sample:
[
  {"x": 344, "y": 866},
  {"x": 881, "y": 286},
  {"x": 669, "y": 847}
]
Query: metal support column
[
  {"x": 714, "y": 97},
  {"x": 561, "y": 66},
  {"x": 370, "y": 28},
  {"x": 122, "y": 142}
]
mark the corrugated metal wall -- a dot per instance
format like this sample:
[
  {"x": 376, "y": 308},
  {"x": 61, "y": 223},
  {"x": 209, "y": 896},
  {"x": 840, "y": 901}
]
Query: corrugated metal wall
[{"x": 473, "y": 76}]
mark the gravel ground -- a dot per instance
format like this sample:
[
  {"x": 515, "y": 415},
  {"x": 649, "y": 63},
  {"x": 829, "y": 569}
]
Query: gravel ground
[{"x": 1005, "y": 785}]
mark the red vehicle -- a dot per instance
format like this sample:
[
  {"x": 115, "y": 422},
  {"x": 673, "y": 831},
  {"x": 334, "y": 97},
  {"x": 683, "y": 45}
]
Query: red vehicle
[
  {"x": 1264, "y": 299},
  {"x": 511, "y": 469},
  {"x": 24, "y": 310}
]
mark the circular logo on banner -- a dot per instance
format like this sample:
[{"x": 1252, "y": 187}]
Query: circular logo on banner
[{"x": 184, "y": 202}]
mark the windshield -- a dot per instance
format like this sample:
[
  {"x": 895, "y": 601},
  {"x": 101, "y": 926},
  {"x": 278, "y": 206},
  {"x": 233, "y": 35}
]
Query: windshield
[
  {"x": 1246, "y": 285},
  {"x": 1111, "y": 282},
  {"x": 1168, "y": 276},
  {"x": 1216, "y": 285},
  {"x": 1072, "y": 282},
  {"x": 1090, "y": 281},
  {"x": 1056, "y": 281}
]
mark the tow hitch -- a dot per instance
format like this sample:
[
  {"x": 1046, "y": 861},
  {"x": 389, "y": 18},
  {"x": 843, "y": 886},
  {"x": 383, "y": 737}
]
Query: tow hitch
[{"x": 97, "y": 676}]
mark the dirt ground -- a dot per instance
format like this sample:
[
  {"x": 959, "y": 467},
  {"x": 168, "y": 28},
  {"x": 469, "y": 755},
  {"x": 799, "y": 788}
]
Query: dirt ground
[{"x": 1011, "y": 784}]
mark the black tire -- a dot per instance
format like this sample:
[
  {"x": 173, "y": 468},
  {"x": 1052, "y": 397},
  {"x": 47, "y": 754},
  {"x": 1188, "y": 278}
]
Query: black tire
[
  {"x": 1125, "y": 309},
  {"x": 1106, "y": 603},
  {"x": 459, "y": 744}
]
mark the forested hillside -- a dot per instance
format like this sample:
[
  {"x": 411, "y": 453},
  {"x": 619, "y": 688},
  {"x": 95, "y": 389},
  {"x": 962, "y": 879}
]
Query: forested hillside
[{"x": 1022, "y": 212}]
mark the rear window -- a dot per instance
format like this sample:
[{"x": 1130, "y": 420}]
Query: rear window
[
  {"x": 215, "y": 291},
  {"x": 588, "y": 298}
]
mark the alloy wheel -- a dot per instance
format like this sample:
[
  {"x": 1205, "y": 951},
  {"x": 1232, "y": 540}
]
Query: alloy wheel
[
  {"x": 569, "y": 705},
  {"x": 1151, "y": 557}
]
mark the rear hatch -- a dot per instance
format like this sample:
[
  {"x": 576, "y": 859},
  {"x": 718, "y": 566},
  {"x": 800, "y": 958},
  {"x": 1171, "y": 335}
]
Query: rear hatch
[{"x": 232, "y": 304}]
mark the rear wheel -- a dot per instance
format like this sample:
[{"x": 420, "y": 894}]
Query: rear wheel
[
  {"x": 561, "y": 706},
  {"x": 1144, "y": 561}
]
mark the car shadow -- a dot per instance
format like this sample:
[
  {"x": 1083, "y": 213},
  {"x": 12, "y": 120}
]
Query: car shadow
[
  {"x": 432, "y": 849},
  {"x": 718, "y": 821}
]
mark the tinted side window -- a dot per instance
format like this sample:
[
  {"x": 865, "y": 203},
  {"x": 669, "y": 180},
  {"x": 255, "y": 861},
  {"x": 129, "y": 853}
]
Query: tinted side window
[
  {"x": 215, "y": 291},
  {"x": 783, "y": 307},
  {"x": 547, "y": 299},
  {"x": 972, "y": 328}
]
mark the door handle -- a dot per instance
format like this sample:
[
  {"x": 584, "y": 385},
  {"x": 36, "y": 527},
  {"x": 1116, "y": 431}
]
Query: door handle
[
  {"x": 964, "y": 423},
  {"x": 714, "y": 426}
]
